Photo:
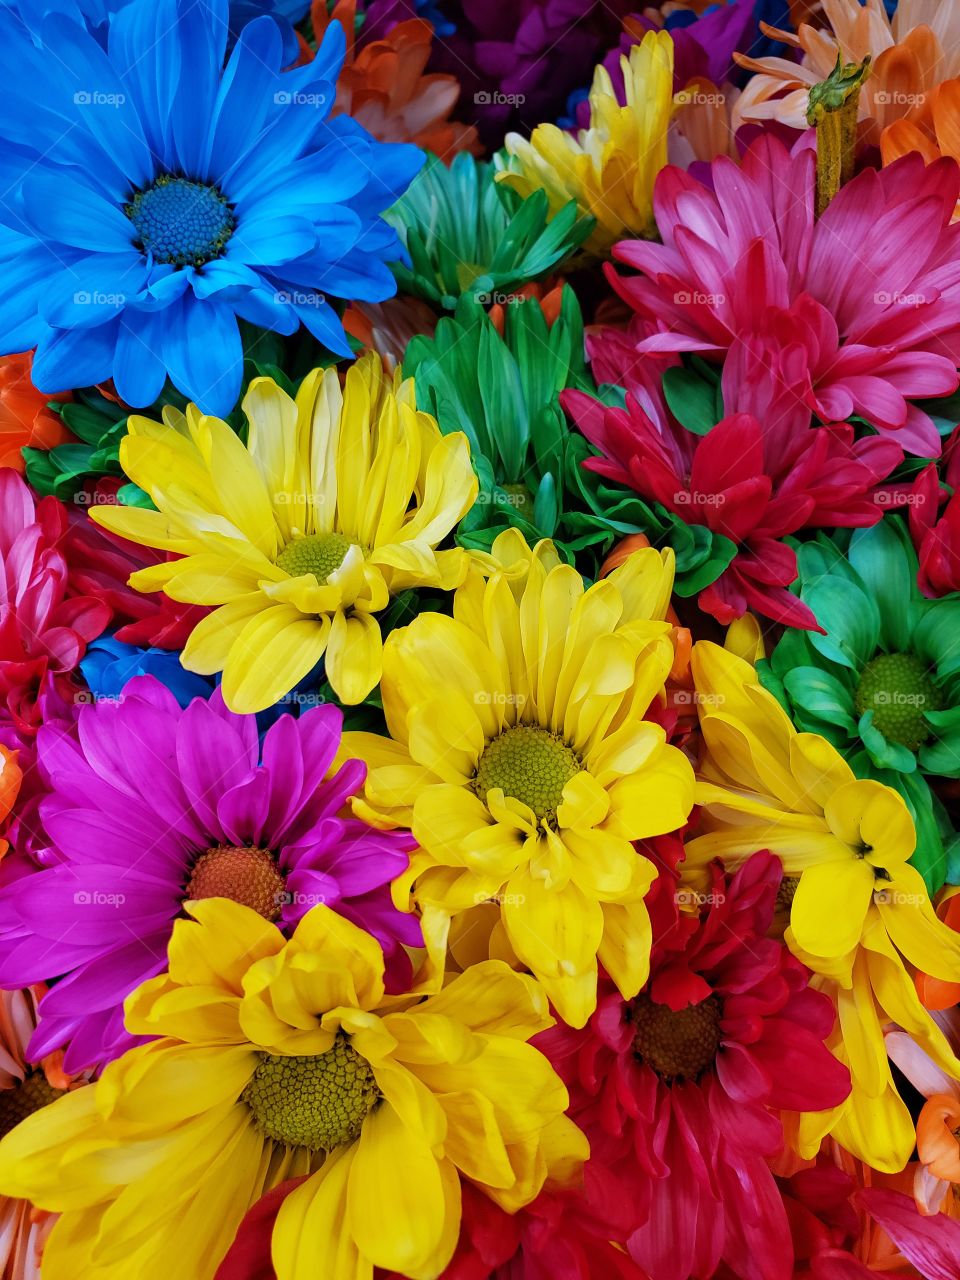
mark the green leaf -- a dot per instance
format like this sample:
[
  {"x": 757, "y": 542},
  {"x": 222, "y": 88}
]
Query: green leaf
[{"x": 691, "y": 400}]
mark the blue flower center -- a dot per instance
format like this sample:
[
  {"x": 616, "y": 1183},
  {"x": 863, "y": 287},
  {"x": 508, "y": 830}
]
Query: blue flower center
[{"x": 181, "y": 222}]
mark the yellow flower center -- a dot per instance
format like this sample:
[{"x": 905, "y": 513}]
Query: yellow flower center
[
  {"x": 317, "y": 1102},
  {"x": 677, "y": 1044},
  {"x": 899, "y": 690},
  {"x": 248, "y": 876},
  {"x": 530, "y": 764},
  {"x": 316, "y": 553},
  {"x": 24, "y": 1098}
]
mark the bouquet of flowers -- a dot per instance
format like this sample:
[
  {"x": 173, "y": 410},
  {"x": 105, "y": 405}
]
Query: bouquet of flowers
[{"x": 479, "y": 640}]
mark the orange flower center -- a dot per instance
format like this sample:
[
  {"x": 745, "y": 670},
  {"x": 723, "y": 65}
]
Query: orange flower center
[{"x": 246, "y": 875}]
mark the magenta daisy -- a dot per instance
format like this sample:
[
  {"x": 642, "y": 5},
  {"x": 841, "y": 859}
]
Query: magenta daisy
[{"x": 151, "y": 805}]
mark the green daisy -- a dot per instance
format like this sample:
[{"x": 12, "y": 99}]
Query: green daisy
[
  {"x": 468, "y": 235},
  {"x": 883, "y": 683}
]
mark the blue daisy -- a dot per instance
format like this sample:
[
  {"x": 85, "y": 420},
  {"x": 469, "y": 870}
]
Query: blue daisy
[{"x": 153, "y": 196}]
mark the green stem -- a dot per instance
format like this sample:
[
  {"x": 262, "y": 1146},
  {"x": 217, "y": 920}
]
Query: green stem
[{"x": 833, "y": 110}]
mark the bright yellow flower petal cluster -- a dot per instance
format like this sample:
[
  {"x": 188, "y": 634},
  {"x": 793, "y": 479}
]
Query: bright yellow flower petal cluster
[
  {"x": 280, "y": 1059},
  {"x": 521, "y": 759},
  {"x": 609, "y": 168},
  {"x": 337, "y": 502},
  {"x": 860, "y": 914}
]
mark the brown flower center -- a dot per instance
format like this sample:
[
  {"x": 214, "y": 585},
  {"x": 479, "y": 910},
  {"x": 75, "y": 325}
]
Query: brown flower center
[
  {"x": 246, "y": 875},
  {"x": 24, "y": 1098},
  {"x": 677, "y": 1044}
]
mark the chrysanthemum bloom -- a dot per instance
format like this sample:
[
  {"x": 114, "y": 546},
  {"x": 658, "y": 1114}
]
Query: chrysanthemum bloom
[
  {"x": 281, "y": 1058},
  {"x": 522, "y": 760},
  {"x": 933, "y": 134},
  {"x": 609, "y": 168},
  {"x": 911, "y": 53},
  {"x": 761, "y": 473},
  {"x": 881, "y": 684},
  {"x": 157, "y": 195},
  {"x": 25, "y": 420},
  {"x": 867, "y": 297},
  {"x": 338, "y": 501},
  {"x": 383, "y": 87},
  {"x": 44, "y": 630},
  {"x": 24, "y": 1089},
  {"x": 938, "y": 1124},
  {"x": 678, "y": 1090},
  {"x": 859, "y": 912},
  {"x": 151, "y": 806}
]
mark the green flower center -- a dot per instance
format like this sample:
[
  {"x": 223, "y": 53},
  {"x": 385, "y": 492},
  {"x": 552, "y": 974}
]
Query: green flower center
[
  {"x": 317, "y": 1102},
  {"x": 677, "y": 1044},
  {"x": 898, "y": 689},
  {"x": 530, "y": 764},
  {"x": 181, "y": 222},
  {"x": 24, "y": 1098},
  {"x": 248, "y": 876},
  {"x": 316, "y": 553}
]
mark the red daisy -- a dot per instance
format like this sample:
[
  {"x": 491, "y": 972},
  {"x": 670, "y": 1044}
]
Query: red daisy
[{"x": 679, "y": 1090}]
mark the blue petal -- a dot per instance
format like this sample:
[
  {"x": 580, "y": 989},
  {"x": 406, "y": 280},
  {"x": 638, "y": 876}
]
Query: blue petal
[
  {"x": 272, "y": 238},
  {"x": 91, "y": 289},
  {"x": 246, "y": 93},
  {"x": 138, "y": 369},
  {"x": 71, "y": 358},
  {"x": 324, "y": 323},
  {"x": 74, "y": 214},
  {"x": 203, "y": 353}
]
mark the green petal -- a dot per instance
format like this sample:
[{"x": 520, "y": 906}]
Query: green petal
[
  {"x": 936, "y": 636},
  {"x": 849, "y": 617},
  {"x": 887, "y": 565},
  {"x": 823, "y": 695},
  {"x": 883, "y": 753},
  {"x": 942, "y": 755}
]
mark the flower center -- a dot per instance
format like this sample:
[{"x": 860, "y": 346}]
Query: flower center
[
  {"x": 318, "y": 1102},
  {"x": 317, "y": 553},
  {"x": 787, "y": 892},
  {"x": 678, "y": 1044},
  {"x": 530, "y": 764},
  {"x": 24, "y": 1098},
  {"x": 898, "y": 689},
  {"x": 248, "y": 876},
  {"x": 181, "y": 222}
]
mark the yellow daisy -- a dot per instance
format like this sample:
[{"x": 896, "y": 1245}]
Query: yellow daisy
[
  {"x": 859, "y": 913},
  {"x": 337, "y": 502},
  {"x": 521, "y": 758},
  {"x": 279, "y": 1059},
  {"x": 609, "y": 168}
]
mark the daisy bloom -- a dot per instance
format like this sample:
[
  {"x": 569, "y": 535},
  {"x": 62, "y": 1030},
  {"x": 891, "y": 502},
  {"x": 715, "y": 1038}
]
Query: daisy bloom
[
  {"x": 151, "y": 806},
  {"x": 25, "y": 419},
  {"x": 866, "y": 298},
  {"x": 679, "y": 1089},
  {"x": 337, "y": 502},
  {"x": 290, "y": 1059},
  {"x": 25, "y": 1088},
  {"x": 608, "y": 168},
  {"x": 910, "y": 54},
  {"x": 143, "y": 224},
  {"x": 859, "y": 912},
  {"x": 522, "y": 759}
]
